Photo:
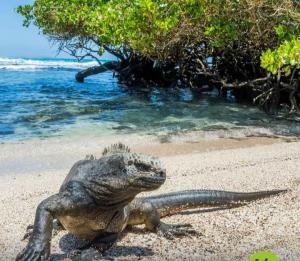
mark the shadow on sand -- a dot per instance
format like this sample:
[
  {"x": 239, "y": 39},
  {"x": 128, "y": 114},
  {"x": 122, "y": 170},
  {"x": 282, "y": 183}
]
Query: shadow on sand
[{"x": 69, "y": 243}]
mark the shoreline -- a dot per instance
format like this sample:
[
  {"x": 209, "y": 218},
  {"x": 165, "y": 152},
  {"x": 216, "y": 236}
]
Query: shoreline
[
  {"x": 59, "y": 153},
  {"x": 35, "y": 170}
]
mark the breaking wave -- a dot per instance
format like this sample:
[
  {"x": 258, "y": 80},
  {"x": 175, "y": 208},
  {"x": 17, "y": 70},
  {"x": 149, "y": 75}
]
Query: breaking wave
[{"x": 20, "y": 64}]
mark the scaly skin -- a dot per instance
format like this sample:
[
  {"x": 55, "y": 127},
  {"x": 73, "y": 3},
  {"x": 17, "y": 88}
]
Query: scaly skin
[
  {"x": 150, "y": 210},
  {"x": 97, "y": 201}
]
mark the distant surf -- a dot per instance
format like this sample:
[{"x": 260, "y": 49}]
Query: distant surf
[{"x": 43, "y": 64}]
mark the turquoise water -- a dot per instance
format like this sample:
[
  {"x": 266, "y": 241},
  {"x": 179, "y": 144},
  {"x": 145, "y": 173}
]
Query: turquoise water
[{"x": 40, "y": 98}]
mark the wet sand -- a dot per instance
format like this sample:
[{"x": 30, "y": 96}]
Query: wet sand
[{"x": 33, "y": 170}]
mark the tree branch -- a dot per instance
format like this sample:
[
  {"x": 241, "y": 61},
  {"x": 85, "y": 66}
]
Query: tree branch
[{"x": 108, "y": 66}]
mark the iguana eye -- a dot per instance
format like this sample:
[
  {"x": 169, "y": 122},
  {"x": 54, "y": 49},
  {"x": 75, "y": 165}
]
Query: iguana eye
[
  {"x": 143, "y": 166},
  {"x": 130, "y": 162}
]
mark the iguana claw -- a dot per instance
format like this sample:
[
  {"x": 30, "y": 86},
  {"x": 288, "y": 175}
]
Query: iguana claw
[
  {"x": 34, "y": 251},
  {"x": 178, "y": 230},
  {"x": 28, "y": 233}
]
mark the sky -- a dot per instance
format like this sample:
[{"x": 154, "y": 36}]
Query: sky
[{"x": 17, "y": 41}]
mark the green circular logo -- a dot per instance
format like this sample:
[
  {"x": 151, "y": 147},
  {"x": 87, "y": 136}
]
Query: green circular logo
[{"x": 264, "y": 256}]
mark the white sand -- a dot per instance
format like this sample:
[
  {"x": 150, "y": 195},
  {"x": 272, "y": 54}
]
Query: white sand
[{"x": 34, "y": 170}]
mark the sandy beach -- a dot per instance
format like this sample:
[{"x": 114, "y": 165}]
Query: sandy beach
[{"x": 32, "y": 170}]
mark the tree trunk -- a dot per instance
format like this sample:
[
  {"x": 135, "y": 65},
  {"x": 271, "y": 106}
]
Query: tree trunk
[{"x": 108, "y": 66}]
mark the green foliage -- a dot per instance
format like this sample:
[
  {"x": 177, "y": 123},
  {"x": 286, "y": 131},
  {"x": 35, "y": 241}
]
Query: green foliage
[
  {"x": 26, "y": 11},
  {"x": 221, "y": 32},
  {"x": 283, "y": 59},
  {"x": 161, "y": 29},
  {"x": 140, "y": 25}
]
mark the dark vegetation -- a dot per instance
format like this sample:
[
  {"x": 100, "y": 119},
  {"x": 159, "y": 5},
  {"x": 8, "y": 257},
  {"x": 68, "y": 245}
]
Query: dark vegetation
[{"x": 251, "y": 48}]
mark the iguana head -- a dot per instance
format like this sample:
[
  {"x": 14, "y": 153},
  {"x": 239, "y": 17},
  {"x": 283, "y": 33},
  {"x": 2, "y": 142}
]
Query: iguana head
[{"x": 139, "y": 172}]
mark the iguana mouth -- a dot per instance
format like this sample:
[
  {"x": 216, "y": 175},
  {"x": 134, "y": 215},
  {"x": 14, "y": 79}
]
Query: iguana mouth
[{"x": 150, "y": 181}]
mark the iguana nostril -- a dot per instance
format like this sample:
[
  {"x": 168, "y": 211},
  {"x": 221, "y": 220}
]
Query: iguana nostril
[{"x": 162, "y": 173}]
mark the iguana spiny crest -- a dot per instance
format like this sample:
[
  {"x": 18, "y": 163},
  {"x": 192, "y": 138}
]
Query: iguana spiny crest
[{"x": 116, "y": 148}]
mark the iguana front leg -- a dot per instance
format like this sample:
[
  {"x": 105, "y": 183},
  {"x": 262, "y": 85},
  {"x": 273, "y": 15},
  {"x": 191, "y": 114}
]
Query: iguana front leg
[
  {"x": 57, "y": 226},
  {"x": 142, "y": 212},
  {"x": 38, "y": 247}
]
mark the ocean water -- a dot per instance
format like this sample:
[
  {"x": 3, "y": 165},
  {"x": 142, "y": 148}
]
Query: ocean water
[{"x": 40, "y": 98}]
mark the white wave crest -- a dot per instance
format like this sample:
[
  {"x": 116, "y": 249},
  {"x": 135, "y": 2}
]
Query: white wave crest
[{"x": 42, "y": 64}]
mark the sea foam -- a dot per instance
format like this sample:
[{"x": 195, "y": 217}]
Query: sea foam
[{"x": 42, "y": 64}]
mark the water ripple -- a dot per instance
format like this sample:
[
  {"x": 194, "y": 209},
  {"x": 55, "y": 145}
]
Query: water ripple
[{"x": 41, "y": 103}]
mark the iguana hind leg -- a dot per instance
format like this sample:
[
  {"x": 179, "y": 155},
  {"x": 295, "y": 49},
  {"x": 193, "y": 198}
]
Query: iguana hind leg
[
  {"x": 102, "y": 242},
  {"x": 142, "y": 212},
  {"x": 95, "y": 248}
]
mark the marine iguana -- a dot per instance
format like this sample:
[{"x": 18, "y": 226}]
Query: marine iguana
[{"x": 97, "y": 201}]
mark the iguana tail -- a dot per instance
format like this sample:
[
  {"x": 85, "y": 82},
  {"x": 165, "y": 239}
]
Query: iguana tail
[{"x": 171, "y": 203}]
